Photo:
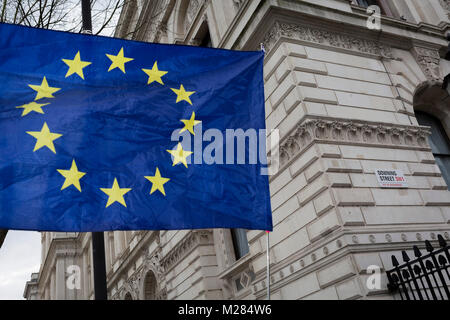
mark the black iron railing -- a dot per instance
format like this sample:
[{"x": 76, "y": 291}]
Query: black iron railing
[{"x": 426, "y": 277}]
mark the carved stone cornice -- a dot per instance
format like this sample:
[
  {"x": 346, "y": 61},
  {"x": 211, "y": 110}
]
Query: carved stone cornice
[
  {"x": 189, "y": 242},
  {"x": 428, "y": 60},
  {"x": 349, "y": 132},
  {"x": 324, "y": 37}
]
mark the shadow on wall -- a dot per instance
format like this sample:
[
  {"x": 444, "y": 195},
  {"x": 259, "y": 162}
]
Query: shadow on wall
[{"x": 2, "y": 236}]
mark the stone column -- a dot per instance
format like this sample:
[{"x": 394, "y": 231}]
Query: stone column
[
  {"x": 118, "y": 242},
  {"x": 60, "y": 278}
]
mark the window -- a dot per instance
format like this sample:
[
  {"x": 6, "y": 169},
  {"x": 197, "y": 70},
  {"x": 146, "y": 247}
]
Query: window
[
  {"x": 367, "y": 3},
  {"x": 206, "y": 40},
  {"x": 439, "y": 143},
  {"x": 150, "y": 286},
  {"x": 240, "y": 242},
  {"x": 385, "y": 6},
  {"x": 128, "y": 296}
]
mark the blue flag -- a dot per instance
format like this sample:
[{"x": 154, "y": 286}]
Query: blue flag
[{"x": 108, "y": 134}]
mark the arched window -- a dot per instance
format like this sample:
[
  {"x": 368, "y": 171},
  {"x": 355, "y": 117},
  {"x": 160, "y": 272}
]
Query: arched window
[
  {"x": 367, "y": 3},
  {"x": 382, "y": 4},
  {"x": 150, "y": 286},
  {"x": 128, "y": 296},
  {"x": 206, "y": 40},
  {"x": 439, "y": 143},
  {"x": 240, "y": 242}
]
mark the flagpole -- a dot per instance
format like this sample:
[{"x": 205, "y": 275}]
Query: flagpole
[
  {"x": 86, "y": 17},
  {"x": 98, "y": 239},
  {"x": 267, "y": 232},
  {"x": 268, "y": 265}
]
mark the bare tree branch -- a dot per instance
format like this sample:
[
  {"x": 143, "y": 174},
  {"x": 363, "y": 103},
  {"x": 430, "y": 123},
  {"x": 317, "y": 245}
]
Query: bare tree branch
[{"x": 59, "y": 14}]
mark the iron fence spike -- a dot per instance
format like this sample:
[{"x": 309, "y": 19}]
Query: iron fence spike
[
  {"x": 429, "y": 246},
  {"x": 442, "y": 241},
  {"x": 405, "y": 256},
  {"x": 417, "y": 252},
  {"x": 394, "y": 261}
]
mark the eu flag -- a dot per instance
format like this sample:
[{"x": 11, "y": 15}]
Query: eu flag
[{"x": 108, "y": 134}]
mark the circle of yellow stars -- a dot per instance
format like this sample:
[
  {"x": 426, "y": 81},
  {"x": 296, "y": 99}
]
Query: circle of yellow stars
[{"x": 46, "y": 138}]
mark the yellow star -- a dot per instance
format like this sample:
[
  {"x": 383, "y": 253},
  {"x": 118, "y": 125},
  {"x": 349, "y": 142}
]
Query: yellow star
[
  {"x": 32, "y": 106},
  {"x": 118, "y": 61},
  {"x": 44, "y": 138},
  {"x": 183, "y": 94},
  {"x": 157, "y": 182},
  {"x": 179, "y": 155},
  {"x": 154, "y": 74},
  {"x": 76, "y": 65},
  {"x": 72, "y": 176},
  {"x": 43, "y": 90},
  {"x": 115, "y": 194},
  {"x": 189, "y": 124}
]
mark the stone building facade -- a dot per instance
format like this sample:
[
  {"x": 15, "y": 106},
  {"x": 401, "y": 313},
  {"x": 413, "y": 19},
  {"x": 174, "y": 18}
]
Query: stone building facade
[{"x": 347, "y": 99}]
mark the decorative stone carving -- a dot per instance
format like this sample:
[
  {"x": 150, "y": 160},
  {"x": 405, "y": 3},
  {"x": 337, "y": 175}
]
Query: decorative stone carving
[
  {"x": 191, "y": 13},
  {"x": 428, "y": 60},
  {"x": 132, "y": 286},
  {"x": 161, "y": 294},
  {"x": 238, "y": 3},
  {"x": 446, "y": 5},
  {"x": 325, "y": 37},
  {"x": 193, "y": 239},
  {"x": 161, "y": 30},
  {"x": 246, "y": 277},
  {"x": 350, "y": 132},
  {"x": 388, "y": 237},
  {"x": 153, "y": 263}
]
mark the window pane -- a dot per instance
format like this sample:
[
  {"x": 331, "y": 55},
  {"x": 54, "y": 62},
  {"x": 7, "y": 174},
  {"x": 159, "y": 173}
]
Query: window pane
[
  {"x": 367, "y": 3},
  {"x": 240, "y": 242},
  {"x": 444, "y": 164},
  {"x": 206, "y": 41},
  {"x": 438, "y": 139}
]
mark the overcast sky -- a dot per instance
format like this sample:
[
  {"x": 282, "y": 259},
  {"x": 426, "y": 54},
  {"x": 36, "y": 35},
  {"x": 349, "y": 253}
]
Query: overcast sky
[
  {"x": 19, "y": 257},
  {"x": 21, "y": 251}
]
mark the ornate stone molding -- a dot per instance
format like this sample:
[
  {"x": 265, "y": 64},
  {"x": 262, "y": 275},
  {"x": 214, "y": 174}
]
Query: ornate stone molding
[
  {"x": 428, "y": 60},
  {"x": 446, "y": 5},
  {"x": 193, "y": 239},
  {"x": 238, "y": 3},
  {"x": 132, "y": 286},
  {"x": 191, "y": 12},
  {"x": 343, "y": 131},
  {"x": 153, "y": 262},
  {"x": 324, "y": 37}
]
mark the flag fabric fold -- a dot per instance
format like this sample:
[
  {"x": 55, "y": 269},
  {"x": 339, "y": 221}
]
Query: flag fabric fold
[{"x": 90, "y": 135}]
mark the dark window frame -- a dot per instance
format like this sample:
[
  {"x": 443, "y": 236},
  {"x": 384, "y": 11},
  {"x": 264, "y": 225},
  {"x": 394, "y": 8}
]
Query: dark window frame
[
  {"x": 440, "y": 142},
  {"x": 240, "y": 242},
  {"x": 383, "y": 4}
]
